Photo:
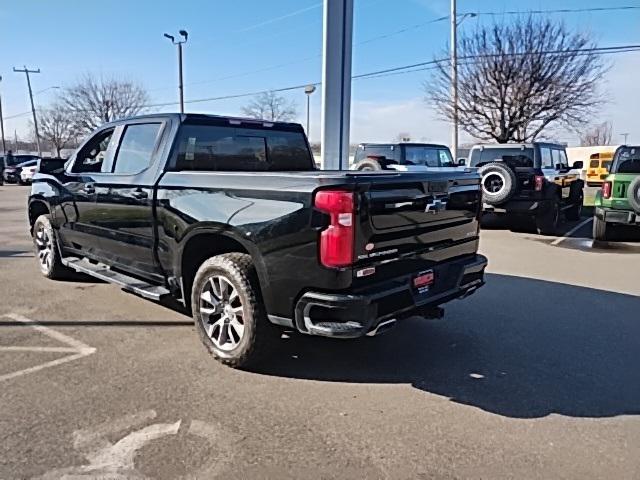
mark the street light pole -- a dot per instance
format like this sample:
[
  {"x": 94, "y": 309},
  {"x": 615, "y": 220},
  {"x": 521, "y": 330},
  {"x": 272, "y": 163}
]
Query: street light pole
[
  {"x": 454, "y": 79},
  {"x": 625, "y": 135},
  {"x": 179, "y": 45},
  {"x": 26, "y": 71},
  {"x": 309, "y": 89},
  {"x": 4, "y": 146}
]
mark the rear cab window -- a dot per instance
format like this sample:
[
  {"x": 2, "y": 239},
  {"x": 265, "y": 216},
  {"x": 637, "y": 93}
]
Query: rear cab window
[
  {"x": 516, "y": 156},
  {"x": 627, "y": 160},
  {"x": 427, "y": 156},
  {"x": 389, "y": 152},
  {"x": 203, "y": 147}
]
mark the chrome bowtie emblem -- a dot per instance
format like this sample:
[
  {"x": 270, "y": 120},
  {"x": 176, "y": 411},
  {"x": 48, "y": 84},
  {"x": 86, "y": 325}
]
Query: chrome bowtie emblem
[{"x": 435, "y": 206}]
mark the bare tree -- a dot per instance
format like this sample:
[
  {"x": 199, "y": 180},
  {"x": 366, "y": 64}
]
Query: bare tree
[
  {"x": 57, "y": 127},
  {"x": 516, "y": 80},
  {"x": 598, "y": 135},
  {"x": 270, "y": 106},
  {"x": 95, "y": 101}
]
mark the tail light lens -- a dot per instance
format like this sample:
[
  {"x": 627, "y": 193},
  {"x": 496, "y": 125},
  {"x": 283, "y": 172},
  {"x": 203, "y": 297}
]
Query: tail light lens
[
  {"x": 336, "y": 241},
  {"x": 606, "y": 190},
  {"x": 539, "y": 182}
]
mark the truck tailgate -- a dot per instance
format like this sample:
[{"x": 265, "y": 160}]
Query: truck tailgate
[{"x": 413, "y": 216}]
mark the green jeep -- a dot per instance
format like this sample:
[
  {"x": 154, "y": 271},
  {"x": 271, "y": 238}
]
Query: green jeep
[{"x": 618, "y": 202}]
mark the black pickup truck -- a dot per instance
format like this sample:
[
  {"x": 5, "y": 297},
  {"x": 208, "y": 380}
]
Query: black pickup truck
[{"x": 231, "y": 217}]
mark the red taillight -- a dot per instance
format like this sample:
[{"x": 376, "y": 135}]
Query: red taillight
[
  {"x": 539, "y": 182},
  {"x": 336, "y": 241},
  {"x": 606, "y": 190}
]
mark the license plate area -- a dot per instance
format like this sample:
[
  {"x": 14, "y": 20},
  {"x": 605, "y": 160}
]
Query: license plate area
[{"x": 423, "y": 281}]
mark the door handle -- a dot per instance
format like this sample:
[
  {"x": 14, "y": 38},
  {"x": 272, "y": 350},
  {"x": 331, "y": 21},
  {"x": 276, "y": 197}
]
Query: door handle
[
  {"x": 89, "y": 188},
  {"x": 139, "y": 193}
]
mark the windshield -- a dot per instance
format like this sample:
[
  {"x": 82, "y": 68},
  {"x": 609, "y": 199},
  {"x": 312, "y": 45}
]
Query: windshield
[
  {"x": 627, "y": 160},
  {"x": 428, "y": 156}
]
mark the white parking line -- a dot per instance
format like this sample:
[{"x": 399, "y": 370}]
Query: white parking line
[
  {"x": 571, "y": 232},
  {"x": 76, "y": 348}
]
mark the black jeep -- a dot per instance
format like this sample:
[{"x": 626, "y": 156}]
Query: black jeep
[{"x": 532, "y": 179}]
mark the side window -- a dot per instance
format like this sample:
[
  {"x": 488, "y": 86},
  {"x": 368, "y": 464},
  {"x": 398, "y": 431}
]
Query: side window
[
  {"x": 555, "y": 157},
  {"x": 547, "y": 161},
  {"x": 136, "y": 147},
  {"x": 91, "y": 157},
  {"x": 563, "y": 159}
]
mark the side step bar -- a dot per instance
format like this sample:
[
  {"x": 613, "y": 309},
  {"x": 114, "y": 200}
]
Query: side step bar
[{"x": 103, "y": 272}]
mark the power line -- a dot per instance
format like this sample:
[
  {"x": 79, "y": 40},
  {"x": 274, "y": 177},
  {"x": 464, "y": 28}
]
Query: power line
[
  {"x": 403, "y": 69},
  {"x": 399, "y": 32},
  {"x": 376, "y": 74},
  {"x": 560, "y": 10}
]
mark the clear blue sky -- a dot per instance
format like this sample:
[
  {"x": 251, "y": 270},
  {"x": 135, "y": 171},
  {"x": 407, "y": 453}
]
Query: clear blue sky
[{"x": 65, "y": 38}]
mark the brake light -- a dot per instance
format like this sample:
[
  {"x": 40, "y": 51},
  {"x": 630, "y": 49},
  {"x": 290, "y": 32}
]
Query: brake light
[
  {"x": 539, "y": 182},
  {"x": 336, "y": 241},
  {"x": 606, "y": 190}
]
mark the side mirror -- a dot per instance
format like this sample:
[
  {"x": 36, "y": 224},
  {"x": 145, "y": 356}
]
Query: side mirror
[
  {"x": 578, "y": 165},
  {"x": 462, "y": 162}
]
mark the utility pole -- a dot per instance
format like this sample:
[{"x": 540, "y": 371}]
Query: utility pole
[
  {"x": 4, "y": 146},
  {"x": 26, "y": 71},
  {"x": 309, "y": 89},
  {"x": 454, "y": 79},
  {"x": 180, "y": 82},
  {"x": 625, "y": 135}
]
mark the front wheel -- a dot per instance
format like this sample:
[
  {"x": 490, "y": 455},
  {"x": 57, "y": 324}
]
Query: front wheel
[
  {"x": 46, "y": 250},
  {"x": 547, "y": 222},
  {"x": 228, "y": 311}
]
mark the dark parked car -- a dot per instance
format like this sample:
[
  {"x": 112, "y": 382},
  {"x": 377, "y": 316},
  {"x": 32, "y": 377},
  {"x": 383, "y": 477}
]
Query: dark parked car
[
  {"x": 231, "y": 217},
  {"x": 403, "y": 157},
  {"x": 532, "y": 179}
]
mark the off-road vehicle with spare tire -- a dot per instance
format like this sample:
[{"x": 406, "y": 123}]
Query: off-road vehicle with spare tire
[
  {"x": 529, "y": 179},
  {"x": 231, "y": 217},
  {"x": 618, "y": 201}
]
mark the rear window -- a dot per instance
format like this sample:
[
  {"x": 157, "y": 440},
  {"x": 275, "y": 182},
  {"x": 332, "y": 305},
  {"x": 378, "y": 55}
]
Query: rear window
[
  {"x": 428, "y": 156},
  {"x": 627, "y": 160},
  {"x": 214, "y": 148},
  {"x": 519, "y": 157},
  {"x": 387, "y": 151}
]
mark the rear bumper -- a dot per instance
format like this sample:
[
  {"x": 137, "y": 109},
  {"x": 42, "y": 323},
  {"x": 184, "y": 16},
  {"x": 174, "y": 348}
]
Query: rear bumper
[
  {"x": 609, "y": 215},
  {"x": 355, "y": 315},
  {"x": 519, "y": 207}
]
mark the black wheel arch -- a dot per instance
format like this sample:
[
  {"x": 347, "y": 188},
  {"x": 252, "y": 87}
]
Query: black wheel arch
[{"x": 204, "y": 242}]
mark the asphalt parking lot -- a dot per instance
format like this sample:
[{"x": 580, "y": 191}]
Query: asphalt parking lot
[{"x": 535, "y": 376}]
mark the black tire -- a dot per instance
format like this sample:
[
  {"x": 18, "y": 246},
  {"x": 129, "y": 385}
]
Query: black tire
[
  {"x": 600, "y": 230},
  {"x": 46, "y": 250},
  {"x": 258, "y": 334},
  {"x": 577, "y": 200},
  {"x": 547, "y": 221},
  {"x": 634, "y": 195},
  {"x": 499, "y": 183},
  {"x": 369, "y": 164}
]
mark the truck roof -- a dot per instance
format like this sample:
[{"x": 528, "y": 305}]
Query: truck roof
[
  {"x": 516, "y": 145},
  {"x": 220, "y": 120},
  {"x": 395, "y": 144}
]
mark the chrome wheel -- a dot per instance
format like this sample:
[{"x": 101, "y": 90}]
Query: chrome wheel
[
  {"x": 44, "y": 247},
  {"x": 221, "y": 313}
]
